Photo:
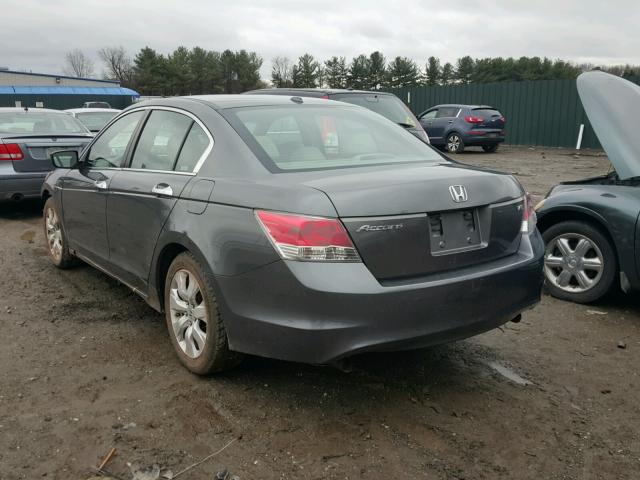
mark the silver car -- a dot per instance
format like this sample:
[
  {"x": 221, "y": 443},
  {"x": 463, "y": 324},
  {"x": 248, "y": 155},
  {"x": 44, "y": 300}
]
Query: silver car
[{"x": 28, "y": 136}]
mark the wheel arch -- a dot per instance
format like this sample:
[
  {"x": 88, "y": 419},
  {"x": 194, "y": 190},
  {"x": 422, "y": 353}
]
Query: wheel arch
[
  {"x": 173, "y": 244},
  {"x": 557, "y": 215}
]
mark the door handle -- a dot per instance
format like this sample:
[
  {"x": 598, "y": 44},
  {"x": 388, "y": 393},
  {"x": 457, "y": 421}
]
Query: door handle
[
  {"x": 162, "y": 189},
  {"x": 100, "y": 184},
  {"x": 450, "y": 121}
]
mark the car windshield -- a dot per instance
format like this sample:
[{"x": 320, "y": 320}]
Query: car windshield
[
  {"x": 388, "y": 106},
  {"x": 94, "y": 121},
  {"x": 39, "y": 122},
  {"x": 315, "y": 137}
]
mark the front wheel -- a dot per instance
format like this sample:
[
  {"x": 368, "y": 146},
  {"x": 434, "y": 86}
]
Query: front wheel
[
  {"x": 454, "y": 143},
  {"x": 193, "y": 320},
  {"x": 490, "y": 148},
  {"x": 580, "y": 264}
]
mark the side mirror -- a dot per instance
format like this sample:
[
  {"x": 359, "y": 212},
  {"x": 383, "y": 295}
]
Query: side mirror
[{"x": 65, "y": 159}]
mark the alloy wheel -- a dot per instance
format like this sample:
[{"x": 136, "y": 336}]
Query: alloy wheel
[
  {"x": 573, "y": 263},
  {"x": 453, "y": 143},
  {"x": 54, "y": 235},
  {"x": 188, "y": 313}
]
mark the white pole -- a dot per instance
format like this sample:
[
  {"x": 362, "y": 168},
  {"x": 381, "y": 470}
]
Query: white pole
[
  {"x": 408, "y": 97},
  {"x": 579, "y": 143}
]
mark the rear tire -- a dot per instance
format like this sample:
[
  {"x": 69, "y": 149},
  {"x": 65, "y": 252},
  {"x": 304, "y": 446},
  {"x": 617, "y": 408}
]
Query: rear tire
[
  {"x": 490, "y": 148},
  {"x": 193, "y": 319},
  {"x": 580, "y": 262},
  {"x": 57, "y": 245},
  {"x": 454, "y": 143}
]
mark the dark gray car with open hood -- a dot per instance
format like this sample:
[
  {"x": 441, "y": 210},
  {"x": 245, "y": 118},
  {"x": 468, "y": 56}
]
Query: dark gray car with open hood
[
  {"x": 591, "y": 226},
  {"x": 296, "y": 228}
]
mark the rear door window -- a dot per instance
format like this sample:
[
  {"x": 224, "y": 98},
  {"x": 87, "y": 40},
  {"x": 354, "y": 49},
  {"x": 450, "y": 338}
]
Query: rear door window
[
  {"x": 194, "y": 147},
  {"x": 447, "y": 112},
  {"x": 161, "y": 140}
]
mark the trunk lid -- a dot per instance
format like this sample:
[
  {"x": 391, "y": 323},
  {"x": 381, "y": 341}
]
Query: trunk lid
[
  {"x": 612, "y": 105},
  {"x": 37, "y": 149},
  {"x": 416, "y": 220}
]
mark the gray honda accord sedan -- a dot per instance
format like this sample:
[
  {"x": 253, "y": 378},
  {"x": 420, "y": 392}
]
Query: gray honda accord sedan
[{"x": 294, "y": 228}]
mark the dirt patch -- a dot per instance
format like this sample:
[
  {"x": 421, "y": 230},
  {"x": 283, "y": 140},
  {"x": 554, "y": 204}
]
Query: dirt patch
[{"x": 86, "y": 366}]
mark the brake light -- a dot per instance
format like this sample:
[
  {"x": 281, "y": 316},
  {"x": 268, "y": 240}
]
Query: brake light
[
  {"x": 325, "y": 97},
  {"x": 529, "y": 218},
  {"x": 311, "y": 239},
  {"x": 472, "y": 119},
  {"x": 10, "y": 151},
  {"x": 503, "y": 120}
]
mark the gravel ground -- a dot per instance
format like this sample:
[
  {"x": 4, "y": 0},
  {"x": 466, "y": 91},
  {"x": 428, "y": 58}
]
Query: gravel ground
[{"x": 86, "y": 366}]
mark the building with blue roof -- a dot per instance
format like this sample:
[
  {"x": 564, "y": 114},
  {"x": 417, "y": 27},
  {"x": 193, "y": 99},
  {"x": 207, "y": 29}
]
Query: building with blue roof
[{"x": 27, "y": 89}]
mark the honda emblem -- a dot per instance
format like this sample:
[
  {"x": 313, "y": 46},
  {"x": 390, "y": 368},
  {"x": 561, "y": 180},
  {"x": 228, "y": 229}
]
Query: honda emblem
[{"x": 458, "y": 193}]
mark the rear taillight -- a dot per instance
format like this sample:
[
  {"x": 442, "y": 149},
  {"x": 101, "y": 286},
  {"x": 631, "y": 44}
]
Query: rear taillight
[
  {"x": 529, "y": 218},
  {"x": 503, "y": 120},
  {"x": 10, "y": 151},
  {"x": 472, "y": 119},
  {"x": 310, "y": 239}
]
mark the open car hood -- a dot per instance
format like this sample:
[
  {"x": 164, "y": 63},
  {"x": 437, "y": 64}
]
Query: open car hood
[{"x": 612, "y": 105}]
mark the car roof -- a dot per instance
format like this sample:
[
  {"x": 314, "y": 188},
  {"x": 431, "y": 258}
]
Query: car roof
[
  {"x": 224, "y": 101},
  {"x": 91, "y": 110},
  {"x": 27, "y": 110},
  {"x": 320, "y": 91}
]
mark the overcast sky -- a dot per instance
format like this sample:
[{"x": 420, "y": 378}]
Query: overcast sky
[{"x": 37, "y": 33}]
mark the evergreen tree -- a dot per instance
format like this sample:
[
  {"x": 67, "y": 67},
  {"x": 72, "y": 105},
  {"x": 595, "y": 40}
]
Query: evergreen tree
[
  {"x": 377, "y": 70},
  {"x": 149, "y": 70},
  {"x": 336, "y": 72},
  {"x": 432, "y": 71},
  {"x": 306, "y": 72},
  {"x": 359, "y": 73},
  {"x": 178, "y": 72},
  {"x": 464, "y": 69},
  {"x": 447, "y": 74},
  {"x": 403, "y": 72}
]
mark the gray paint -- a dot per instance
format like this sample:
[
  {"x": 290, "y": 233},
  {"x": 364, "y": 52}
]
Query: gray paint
[{"x": 304, "y": 311}]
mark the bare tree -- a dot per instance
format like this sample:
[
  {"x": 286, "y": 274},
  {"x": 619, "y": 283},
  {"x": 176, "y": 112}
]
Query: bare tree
[
  {"x": 281, "y": 72},
  {"x": 118, "y": 64},
  {"x": 78, "y": 64}
]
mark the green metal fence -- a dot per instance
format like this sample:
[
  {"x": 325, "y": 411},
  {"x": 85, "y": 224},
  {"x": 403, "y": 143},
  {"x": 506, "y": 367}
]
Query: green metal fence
[{"x": 544, "y": 112}]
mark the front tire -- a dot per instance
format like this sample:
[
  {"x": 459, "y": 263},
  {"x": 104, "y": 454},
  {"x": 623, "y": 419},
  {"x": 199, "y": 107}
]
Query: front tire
[
  {"x": 57, "y": 245},
  {"x": 193, "y": 319},
  {"x": 580, "y": 263},
  {"x": 454, "y": 143}
]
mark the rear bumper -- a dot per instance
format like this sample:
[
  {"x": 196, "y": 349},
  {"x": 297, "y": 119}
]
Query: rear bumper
[
  {"x": 318, "y": 313},
  {"x": 482, "y": 139},
  {"x": 14, "y": 185}
]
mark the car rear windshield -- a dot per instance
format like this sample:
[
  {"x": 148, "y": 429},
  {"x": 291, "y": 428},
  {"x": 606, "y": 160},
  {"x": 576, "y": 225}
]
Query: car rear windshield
[
  {"x": 486, "y": 113},
  {"x": 315, "y": 137},
  {"x": 39, "y": 122},
  {"x": 94, "y": 121},
  {"x": 388, "y": 106}
]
